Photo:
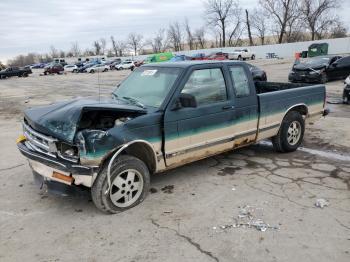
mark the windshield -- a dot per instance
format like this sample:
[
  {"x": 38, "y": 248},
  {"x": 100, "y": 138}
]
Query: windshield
[{"x": 148, "y": 85}]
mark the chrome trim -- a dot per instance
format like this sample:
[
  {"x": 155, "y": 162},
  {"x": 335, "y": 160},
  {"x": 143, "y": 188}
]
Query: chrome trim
[{"x": 44, "y": 158}]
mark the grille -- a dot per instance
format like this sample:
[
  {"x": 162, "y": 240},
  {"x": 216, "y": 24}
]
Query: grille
[{"x": 38, "y": 142}]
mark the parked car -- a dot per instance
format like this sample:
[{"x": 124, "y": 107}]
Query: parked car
[
  {"x": 217, "y": 56},
  {"x": 241, "y": 54},
  {"x": 53, "y": 69},
  {"x": 37, "y": 66},
  {"x": 71, "y": 68},
  {"x": 257, "y": 73},
  {"x": 125, "y": 65},
  {"x": 199, "y": 56},
  {"x": 346, "y": 92},
  {"x": 97, "y": 68},
  {"x": 162, "y": 116},
  {"x": 112, "y": 65},
  {"x": 15, "y": 71},
  {"x": 84, "y": 68},
  {"x": 321, "y": 69}
]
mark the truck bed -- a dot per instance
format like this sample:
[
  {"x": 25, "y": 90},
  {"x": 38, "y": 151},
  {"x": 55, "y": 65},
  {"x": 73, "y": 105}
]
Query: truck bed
[
  {"x": 275, "y": 99},
  {"x": 266, "y": 87}
]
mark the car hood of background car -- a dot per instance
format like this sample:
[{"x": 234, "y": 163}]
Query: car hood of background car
[{"x": 61, "y": 120}]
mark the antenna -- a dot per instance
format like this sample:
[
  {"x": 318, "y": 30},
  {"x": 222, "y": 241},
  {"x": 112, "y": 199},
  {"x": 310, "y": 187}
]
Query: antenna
[{"x": 99, "y": 86}]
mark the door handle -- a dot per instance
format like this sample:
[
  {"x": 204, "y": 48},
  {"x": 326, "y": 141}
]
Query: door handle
[{"x": 228, "y": 107}]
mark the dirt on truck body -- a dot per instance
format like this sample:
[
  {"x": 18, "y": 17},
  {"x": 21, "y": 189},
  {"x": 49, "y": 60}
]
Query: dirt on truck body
[{"x": 160, "y": 117}]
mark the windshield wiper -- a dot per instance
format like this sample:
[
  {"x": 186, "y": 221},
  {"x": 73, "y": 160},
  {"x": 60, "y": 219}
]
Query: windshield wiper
[{"x": 134, "y": 101}]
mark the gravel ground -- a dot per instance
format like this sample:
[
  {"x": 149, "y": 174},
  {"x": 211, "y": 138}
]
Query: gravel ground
[{"x": 191, "y": 212}]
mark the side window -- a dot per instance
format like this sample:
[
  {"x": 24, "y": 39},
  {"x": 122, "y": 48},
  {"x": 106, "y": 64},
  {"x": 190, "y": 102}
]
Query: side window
[
  {"x": 344, "y": 61},
  {"x": 240, "y": 81},
  {"x": 207, "y": 86}
]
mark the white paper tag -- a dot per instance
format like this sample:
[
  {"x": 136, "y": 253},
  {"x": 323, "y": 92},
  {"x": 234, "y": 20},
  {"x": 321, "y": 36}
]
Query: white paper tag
[{"x": 149, "y": 72}]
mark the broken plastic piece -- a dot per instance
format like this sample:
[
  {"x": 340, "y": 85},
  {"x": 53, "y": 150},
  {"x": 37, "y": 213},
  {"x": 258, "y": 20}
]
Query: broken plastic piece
[{"x": 321, "y": 203}]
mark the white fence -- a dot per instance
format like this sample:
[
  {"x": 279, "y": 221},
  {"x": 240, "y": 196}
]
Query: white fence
[{"x": 335, "y": 46}]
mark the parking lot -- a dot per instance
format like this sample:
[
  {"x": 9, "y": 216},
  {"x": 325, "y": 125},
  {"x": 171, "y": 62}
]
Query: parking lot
[{"x": 190, "y": 212}]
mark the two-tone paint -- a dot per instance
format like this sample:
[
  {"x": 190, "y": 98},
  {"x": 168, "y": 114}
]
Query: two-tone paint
[{"x": 167, "y": 137}]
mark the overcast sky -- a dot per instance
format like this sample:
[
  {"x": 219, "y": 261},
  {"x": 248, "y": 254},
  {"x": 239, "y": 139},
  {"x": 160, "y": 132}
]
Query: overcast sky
[{"x": 35, "y": 25}]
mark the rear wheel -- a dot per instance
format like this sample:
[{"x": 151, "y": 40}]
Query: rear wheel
[
  {"x": 130, "y": 182},
  {"x": 75, "y": 71},
  {"x": 253, "y": 57},
  {"x": 290, "y": 134},
  {"x": 240, "y": 58},
  {"x": 92, "y": 71}
]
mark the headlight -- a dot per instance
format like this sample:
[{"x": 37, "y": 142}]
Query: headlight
[
  {"x": 318, "y": 72},
  {"x": 68, "y": 152}
]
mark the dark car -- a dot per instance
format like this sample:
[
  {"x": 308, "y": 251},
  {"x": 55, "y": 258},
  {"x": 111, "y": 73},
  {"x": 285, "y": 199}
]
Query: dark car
[
  {"x": 321, "y": 69},
  {"x": 15, "y": 71},
  {"x": 346, "y": 92},
  {"x": 86, "y": 66},
  {"x": 53, "y": 69},
  {"x": 257, "y": 73},
  {"x": 114, "y": 63}
]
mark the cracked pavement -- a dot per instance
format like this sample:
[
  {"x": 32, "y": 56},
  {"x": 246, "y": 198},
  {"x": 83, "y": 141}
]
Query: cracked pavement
[{"x": 175, "y": 222}]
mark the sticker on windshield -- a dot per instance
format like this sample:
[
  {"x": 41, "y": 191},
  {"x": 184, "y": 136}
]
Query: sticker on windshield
[{"x": 149, "y": 72}]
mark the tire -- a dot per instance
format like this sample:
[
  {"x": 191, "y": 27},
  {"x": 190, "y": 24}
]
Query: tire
[
  {"x": 45, "y": 73},
  {"x": 253, "y": 57},
  {"x": 290, "y": 134},
  {"x": 122, "y": 168},
  {"x": 75, "y": 71},
  {"x": 240, "y": 58},
  {"x": 92, "y": 71},
  {"x": 105, "y": 70},
  {"x": 324, "y": 78},
  {"x": 24, "y": 75}
]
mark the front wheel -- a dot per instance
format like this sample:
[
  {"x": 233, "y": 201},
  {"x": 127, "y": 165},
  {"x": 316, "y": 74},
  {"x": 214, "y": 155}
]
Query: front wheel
[
  {"x": 253, "y": 57},
  {"x": 291, "y": 133},
  {"x": 130, "y": 182},
  {"x": 92, "y": 71}
]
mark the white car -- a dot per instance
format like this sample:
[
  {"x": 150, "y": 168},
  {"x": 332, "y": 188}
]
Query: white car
[
  {"x": 97, "y": 68},
  {"x": 71, "y": 68},
  {"x": 241, "y": 54},
  {"x": 125, "y": 65}
]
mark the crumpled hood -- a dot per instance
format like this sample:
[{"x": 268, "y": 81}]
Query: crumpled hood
[
  {"x": 303, "y": 66},
  {"x": 60, "y": 120}
]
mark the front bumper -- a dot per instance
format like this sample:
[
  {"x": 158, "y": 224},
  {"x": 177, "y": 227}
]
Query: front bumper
[
  {"x": 304, "y": 78},
  {"x": 68, "y": 173}
]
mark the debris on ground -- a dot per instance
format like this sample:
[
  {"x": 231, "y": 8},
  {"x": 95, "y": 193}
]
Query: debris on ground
[
  {"x": 321, "y": 203},
  {"x": 168, "y": 189},
  {"x": 249, "y": 217}
]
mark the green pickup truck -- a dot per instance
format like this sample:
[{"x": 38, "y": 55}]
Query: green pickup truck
[{"x": 160, "y": 117}]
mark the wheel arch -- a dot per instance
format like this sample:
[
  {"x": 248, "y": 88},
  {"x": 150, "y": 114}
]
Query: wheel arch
[
  {"x": 301, "y": 108},
  {"x": 140, "y": 149}
]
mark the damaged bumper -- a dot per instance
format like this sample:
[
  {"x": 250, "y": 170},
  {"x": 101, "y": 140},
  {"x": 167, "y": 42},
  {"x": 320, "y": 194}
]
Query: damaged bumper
[{"x": 58, "y": 170}]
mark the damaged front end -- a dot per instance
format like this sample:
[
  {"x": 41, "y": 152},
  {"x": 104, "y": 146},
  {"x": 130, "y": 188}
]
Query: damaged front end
[{"x": 67, "y": 143}]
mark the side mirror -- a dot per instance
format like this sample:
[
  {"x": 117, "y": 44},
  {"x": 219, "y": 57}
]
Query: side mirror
[{"x": 185, "y": 100}]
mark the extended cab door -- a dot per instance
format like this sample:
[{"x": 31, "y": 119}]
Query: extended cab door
[
  {"x": 191, "y": 133},
  {"x": 246, "y": 105}
]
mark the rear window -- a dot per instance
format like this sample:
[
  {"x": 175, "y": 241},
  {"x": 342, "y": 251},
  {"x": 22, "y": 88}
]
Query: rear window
[{"x": 240, "y": 81}]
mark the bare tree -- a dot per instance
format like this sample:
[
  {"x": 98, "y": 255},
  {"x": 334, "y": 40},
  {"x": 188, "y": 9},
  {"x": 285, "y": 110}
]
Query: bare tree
[
  {"x": 97, "y": 47},
  {"x": 175, "y": 37},
  {"x": 135, "y": 42},
  {"x": 317, "y": 14},
  {"x": 189, "y": 35},
  {"x": 259, "y": 23},
  {"x": 199, "y": 36},
  {"x": 218, "y": 13},
  {"x": 62, "y": 54},
  {"x": 118, "y": 47},
  {"x": 282, "y": 12},
  {"x": 53, "y": 52},
  {"x": 103, "y": 44},
  {"x": 159, "y": 42},
  {"x": 75, "y": 49},
  {"x": 338, "y": 30},
  {"x": 247, "y": 21}
]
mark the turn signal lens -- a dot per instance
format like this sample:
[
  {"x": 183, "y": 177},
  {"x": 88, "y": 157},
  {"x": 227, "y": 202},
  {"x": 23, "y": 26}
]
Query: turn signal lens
[{"x": 20, "y": 139}]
